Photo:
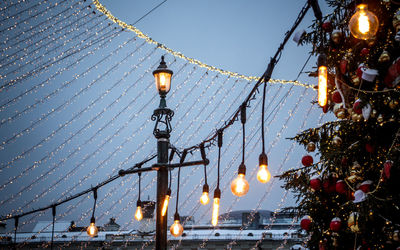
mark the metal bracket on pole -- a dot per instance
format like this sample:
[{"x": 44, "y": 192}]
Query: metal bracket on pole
[{"x": 157, "y": 166}]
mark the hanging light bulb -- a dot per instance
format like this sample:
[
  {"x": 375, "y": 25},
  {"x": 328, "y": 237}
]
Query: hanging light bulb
[
  {"x": 263, "y": 174},
  {"x": 215, "y": 211},
  {"x": 176, "y": 229},
  {"x": 166, "y": 202},
  {"x": 240, "y": 186},
  {"x": 363, "y": 24},
  {"x": 139, "y": 213},
  {"x": 322, "y": 80},
  {"x": 204, "y": 199},
  {"x": 92, "y": 230}
]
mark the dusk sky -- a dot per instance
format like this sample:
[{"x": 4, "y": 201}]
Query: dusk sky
[{"x": 69, "y": 123}]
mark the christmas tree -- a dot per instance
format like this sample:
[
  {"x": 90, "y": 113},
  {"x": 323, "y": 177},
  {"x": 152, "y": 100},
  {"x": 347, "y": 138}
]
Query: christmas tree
[{"x": 350, "y": 199}]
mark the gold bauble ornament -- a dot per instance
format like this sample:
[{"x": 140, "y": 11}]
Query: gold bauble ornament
[
  {"x": 354, "y": 173},
  {"x": 336, "y": 36},
  {"x": 311, "y": 147},
  {"x": 396, "y": 20},
  {"x": 352, "y": 222},
  {"x": 396, "y": 235},
  {"x": 384, "y": 57},
  {"x": 355, "y": 80},
  {"x": 374, "y": 113},
  {"x": 356, "y": 117},
  {"x": 337, "y": 141},
  {"x": 393, "y": 104},
  {"x": 380, "y": 118},
  {"x": 339, "y": 111}
]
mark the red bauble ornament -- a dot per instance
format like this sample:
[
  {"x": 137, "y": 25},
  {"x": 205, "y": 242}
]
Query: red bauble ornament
[
  {"x": 370, "y": 148},
  {"x": 357, "y": 107},
  {"x": 344, "y": 161},
  {"x": 315, "y": 183},
  {"x": 365, "y": 186},
  {"x": 336, "y": 97},
  {"x": 305, "y": 222},
  {"x": 359, "y": 70},
  {"x": 327, "y": 26},
  {"x": 329, "y": 185},
  {"x": 335, "y": 225},
  {"x": 364, "y": 52},
  {"x": 307, "y": 160},
  {"x": 343, "y": 66},
  {"x": 341, "y": 187},
  {"x": 387, "y": 166}
]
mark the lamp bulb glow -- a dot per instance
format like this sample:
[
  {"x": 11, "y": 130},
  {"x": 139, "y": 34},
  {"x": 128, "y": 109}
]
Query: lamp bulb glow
[
  {"x": 204, "y": 199},
  {"x": 215, "y": 212},
  {"x": 322, "y": 85},
  {"x": 138, "y": 213},
  {"x": 92, "y": 230},
  {"x": 263, "y": 174},
  {"x": 363, "y": 24},
  {"x": 165, "y": 205},
  {"x": 240, "y": 186},
  {"x": 176, "y": 229}
]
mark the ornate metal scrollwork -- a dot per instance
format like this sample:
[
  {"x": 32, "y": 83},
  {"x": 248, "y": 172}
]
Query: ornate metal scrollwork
[{"x": 163, "y": 117}]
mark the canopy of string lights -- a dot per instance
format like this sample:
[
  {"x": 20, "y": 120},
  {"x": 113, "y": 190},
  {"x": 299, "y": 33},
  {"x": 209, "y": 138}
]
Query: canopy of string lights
[{"x": 77, "y": 95}]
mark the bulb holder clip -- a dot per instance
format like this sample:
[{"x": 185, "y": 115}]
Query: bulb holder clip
[
  {"x": 242, "y": 169},
  {"x": 217, "y": 193},
  {"x": 176, "y": 217},
  {"x": 321, "y": 60},
  {"x": 206, "y": 188},
  {"x": 263, "y": 159}
]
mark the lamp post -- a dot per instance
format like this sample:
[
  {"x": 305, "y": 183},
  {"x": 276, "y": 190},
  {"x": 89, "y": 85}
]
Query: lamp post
[{"x": 162, "y": 129}]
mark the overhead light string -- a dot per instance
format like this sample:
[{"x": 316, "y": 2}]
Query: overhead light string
[
  {"x": 177, "y": 229},
  {"x": 92, "y": 229},
  {"x": 204, "y": 199}
]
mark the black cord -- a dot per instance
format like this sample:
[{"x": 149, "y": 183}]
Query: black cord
[
  {"x": 179, "y": 175},
  {"x": 53, "y": 210},
  {"x": 149, "y": 12},
  {"x": 262, "y": 118},
  {"x": 220, "y": 134},
  {"x": 95, "y": 200},
  {"x": 203, "y": 157},
  {"x": 171, "y": 157},
  {"x": 16, "y": 219},
  {"x": 243, "y": 120}
]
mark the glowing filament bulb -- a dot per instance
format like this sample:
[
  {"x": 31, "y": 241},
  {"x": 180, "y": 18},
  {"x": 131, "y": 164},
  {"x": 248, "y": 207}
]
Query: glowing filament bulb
[
  {"x": 364, "y": 24},
  {"x": 163, "y": 81},
  {"x": 92, "y": 230},
  {"x": 263, "y": 174},
  {"x": 240, "y": 186},
  {"x": 215, "y": 212},
  {"x": 204, "y": 199},
  {"x": 138, "y": 213},
  {"x": 165, "y": 205},
  {"x": 322, "y": 85},
  {"x": 176, "y": 229}
]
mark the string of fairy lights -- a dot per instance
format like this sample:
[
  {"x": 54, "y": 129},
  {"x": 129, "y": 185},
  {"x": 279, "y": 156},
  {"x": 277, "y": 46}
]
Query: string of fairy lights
[{"x": 74, "y": 118}]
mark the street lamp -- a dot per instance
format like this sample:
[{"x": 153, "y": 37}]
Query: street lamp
[
  {"x": 162, "y": 77},
  {"x": 162, "y": 129}
]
